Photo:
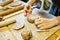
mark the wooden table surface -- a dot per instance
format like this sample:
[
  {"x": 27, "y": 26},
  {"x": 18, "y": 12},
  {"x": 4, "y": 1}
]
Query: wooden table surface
[
  {"x": 9, "y": 33},
  {"x": 49, "y": 34}
]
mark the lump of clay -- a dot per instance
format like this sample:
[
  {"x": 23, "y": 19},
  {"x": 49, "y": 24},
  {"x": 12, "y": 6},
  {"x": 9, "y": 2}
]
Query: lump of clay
[
  {"x": 26, "y": 35},
  {"x": 32, "y": 17}
]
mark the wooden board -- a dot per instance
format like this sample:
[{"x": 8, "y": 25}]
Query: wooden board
[
  {"x": 55, "y": 36},
  {"x": 5, "y": 34},
  {"x": 41, "y": 35}
]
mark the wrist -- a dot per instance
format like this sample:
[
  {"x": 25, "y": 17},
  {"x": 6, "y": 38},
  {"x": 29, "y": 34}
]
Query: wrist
[{"x": 58, "y": 19}]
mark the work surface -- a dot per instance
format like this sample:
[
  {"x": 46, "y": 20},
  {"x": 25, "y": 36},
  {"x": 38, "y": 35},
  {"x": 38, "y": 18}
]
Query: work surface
[{"x": 8, "y": 33}]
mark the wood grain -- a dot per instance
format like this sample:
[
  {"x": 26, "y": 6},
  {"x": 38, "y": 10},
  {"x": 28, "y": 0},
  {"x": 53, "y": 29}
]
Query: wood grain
[
  {"x": 41, "y": 35},
  {"x": 9, "y": 11},
  {"x": 6, "y": 2}
]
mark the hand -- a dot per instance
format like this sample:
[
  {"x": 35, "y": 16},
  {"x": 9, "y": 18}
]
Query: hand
[
  {"x": 43, "y": 23},
  {"x": 27, "y": 9}
]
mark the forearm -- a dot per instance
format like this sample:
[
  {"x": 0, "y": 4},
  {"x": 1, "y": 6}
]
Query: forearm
[
  {"x": 31, "y": 2},
  {"x": 58, "y": 18}
]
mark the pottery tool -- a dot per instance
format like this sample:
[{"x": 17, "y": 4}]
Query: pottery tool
[{"x": 20, "y": 22}]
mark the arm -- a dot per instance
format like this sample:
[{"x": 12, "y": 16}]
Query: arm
[
  {"x": 58, "y": 18},
  {"x": 30, "y": 2}
]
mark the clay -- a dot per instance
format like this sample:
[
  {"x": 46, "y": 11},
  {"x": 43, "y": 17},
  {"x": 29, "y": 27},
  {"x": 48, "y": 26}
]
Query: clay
[
  {"x": 32, "y": 17},
  {"x": 26, "y": 35}
]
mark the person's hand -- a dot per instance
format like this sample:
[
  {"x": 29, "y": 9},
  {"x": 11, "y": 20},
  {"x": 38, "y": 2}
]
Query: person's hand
[
  {"x": 27, "y": 9},
  {"x": 43, "y": 23}
]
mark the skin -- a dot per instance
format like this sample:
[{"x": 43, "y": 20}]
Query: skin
[
  {"x": 27, "y": 8},
  {"x": 42, "y": 23}
]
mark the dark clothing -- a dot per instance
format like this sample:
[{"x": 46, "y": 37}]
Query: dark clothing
[
  {"x": 56, "y": 2},
  {"x": 25, "y": 0},
  {"x": 55, "y": 8}
]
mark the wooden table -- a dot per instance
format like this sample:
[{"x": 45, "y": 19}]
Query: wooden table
[{"x": 49, "y": 34}]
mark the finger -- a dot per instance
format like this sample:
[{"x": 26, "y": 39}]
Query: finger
[
  {"x": 39, "y": 26},
  {"x": 43, "y": 18},
  {"x": 39, "y": 19},
  {"x": 28, "y": 7},
  {"x": 42, "y": 28},
  {"x": 30, "y": 10},
  {"x": 25, "y": 12},
  {"x": 45, "y": 26},
  {"x": 39, "y": 22},
  {"x": 36, "y": 20}
]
